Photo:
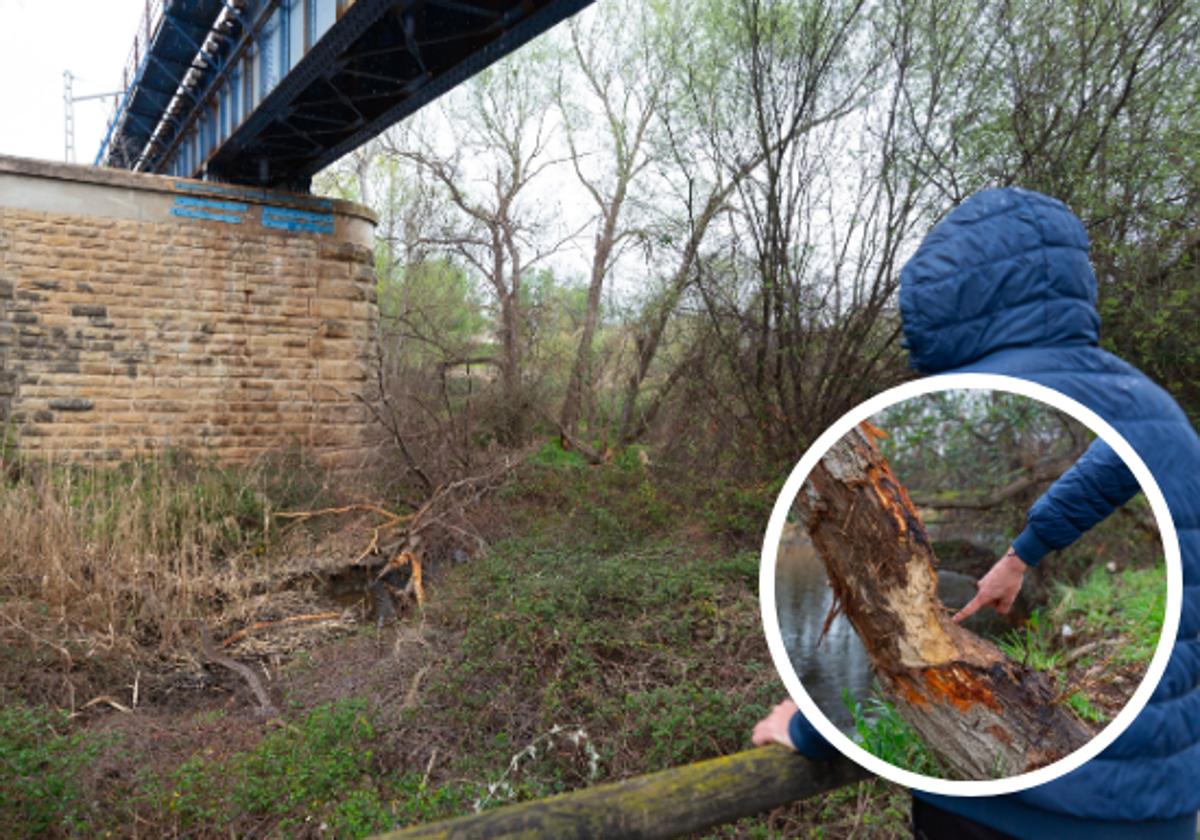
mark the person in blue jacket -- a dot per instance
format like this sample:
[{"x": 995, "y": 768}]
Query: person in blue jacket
[{"x": 1003, "y": 285}]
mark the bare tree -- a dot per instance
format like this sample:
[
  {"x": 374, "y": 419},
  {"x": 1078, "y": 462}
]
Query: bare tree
[
  {"x": 503, "y": 148},
  {"x": 800, "y": 53},
  {"x": 624, "y": 81}
]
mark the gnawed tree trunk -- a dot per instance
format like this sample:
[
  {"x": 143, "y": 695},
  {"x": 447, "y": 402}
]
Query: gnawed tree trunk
[{"x": 983, "y": 714}]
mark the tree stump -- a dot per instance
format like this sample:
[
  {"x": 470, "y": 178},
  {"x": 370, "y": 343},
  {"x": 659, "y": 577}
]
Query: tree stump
[{"x": 983, "y": 714}]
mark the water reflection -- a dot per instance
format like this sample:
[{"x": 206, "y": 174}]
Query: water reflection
[{"x": 803, "y": 598}]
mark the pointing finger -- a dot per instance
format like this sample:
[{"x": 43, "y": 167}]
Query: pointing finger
[{"x": 971, "y": 608}]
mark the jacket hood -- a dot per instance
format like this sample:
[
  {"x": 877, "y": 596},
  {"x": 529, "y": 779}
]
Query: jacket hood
[{"x": 1006, "y": 268}]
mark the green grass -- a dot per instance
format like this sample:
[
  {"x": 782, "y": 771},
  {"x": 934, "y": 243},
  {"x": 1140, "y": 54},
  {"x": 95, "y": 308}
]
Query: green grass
[
  {"x": 605, "y": 508},
  {"x": 599, "y": 614},
  {"x": 551, "y": 454},
  {"x": 1032, "y": 644},
  {"x": 673, "y": 725},
  {"x": 634, "y": 644},
  {"x": 1084, "y": 708},
  {"x": 739, "y": 513},
  {"x": 319, "y": 768},
  {"x": 1130, "y": 605}
]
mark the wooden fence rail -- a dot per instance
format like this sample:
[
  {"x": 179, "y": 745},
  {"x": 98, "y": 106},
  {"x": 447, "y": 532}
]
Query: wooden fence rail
[{"x": 666, "y": 804}]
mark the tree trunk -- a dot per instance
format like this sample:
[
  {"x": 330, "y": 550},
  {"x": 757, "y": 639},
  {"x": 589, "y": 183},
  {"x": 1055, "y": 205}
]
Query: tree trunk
[
  {"x": 983, "y": 714},
  {"x": 510, "y": 369},
  {"x": 581, "y": 369}
]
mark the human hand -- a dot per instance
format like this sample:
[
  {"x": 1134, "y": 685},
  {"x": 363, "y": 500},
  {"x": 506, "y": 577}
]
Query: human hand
[
  {"x": 998, "y": 588},
  {"x": 773, "y": 729}
]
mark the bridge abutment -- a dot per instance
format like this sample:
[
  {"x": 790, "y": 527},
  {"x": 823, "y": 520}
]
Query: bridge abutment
[{"x": 140, "y": 312}]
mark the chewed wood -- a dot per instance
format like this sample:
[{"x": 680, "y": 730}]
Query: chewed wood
[{"x": 983, "y": 714}]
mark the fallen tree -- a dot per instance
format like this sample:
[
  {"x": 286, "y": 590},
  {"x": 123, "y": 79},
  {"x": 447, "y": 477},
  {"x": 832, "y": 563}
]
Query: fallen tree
[{"x": 985, "y": 715}]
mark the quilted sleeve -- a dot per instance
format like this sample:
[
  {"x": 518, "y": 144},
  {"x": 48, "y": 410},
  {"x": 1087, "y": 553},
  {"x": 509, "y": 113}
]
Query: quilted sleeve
[
  {"x": 808, "y": 741},
  {"x": 1094, "y": 487}
]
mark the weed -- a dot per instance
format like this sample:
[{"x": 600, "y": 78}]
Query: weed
[
  {"x": 740, "y": 513},
  {"x": 416, "y": 801},
  {"x": 308, "y": 764},
  {"x": 150, "y": 543},
  {"x": 1031, "y": 645},
  {"x": 655, "y": 648},
  {"x": 303, "y": 767},
  {"x": 360, "y": 813},
  {"x": 608, "y": 610},
  {"x": 881, "y": 731},
  {"x": 558, "y": 737},
  {"x": 552, "y": 454},
  {"x": 209, "y": 717},
  {"x": 674, "y": 725},
  {"x": 8, "y": 447},
  {"x": 1084, "y": 708},
  {"x": 41, "y": 763},
  {"x": 631, "y": 458}
]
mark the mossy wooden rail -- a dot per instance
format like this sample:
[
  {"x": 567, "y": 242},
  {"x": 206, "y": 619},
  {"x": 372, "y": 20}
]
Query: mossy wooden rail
[{"x": 669, "y": 803}]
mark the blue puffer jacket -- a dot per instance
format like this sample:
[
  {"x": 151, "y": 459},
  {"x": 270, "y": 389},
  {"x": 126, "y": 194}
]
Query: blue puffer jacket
[{"x": 1003, "y": 285}]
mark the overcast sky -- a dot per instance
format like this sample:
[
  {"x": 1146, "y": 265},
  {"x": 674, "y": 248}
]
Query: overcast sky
[{"x": 39, "y": 39}]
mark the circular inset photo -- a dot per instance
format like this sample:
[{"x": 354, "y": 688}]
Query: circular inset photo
[{"x": 968, "y": 589}]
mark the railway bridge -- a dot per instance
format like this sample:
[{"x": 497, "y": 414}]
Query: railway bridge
[
  {"x": 201, "y": 298},
  {"x": 268, "y": 92}
]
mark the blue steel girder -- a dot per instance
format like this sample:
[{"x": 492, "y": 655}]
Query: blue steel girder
[
  {"x": 169, "y": 57},
  {"x": 379, "y": 62},
  {"x": 235, "y": 40}
]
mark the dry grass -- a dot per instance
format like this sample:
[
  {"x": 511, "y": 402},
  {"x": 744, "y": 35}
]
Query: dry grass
[{"x": 121, "y": 558}]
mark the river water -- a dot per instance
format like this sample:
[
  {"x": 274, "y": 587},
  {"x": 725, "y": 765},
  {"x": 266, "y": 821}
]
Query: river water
[{"x": 803, "y": 598}]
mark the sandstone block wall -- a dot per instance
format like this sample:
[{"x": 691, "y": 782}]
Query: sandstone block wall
[{"x": 140, "y": 312}]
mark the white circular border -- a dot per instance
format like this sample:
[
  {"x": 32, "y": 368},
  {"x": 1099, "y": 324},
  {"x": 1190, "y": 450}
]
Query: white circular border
[{"x": 945, "y": 382}]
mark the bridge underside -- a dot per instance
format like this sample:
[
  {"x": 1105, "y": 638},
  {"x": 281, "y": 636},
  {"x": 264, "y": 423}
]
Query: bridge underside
[{"x": 279, "y": 89}]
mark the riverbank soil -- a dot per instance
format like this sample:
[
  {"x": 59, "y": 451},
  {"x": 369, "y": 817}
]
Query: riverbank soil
[{"x": 603, "y": 625}]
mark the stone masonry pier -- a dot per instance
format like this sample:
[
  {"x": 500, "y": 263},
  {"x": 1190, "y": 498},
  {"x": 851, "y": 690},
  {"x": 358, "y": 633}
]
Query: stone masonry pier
[{"x": 139, "y": 312}]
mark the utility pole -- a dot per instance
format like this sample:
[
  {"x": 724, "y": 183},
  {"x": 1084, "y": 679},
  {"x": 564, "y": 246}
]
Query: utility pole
[
  {"x": 68, "y": 118},
  {"x": 69, "y": 100}
]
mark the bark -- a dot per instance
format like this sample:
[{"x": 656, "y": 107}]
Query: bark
[
  {"x": 983, "y": 714},
  {"x": 510, "y": 367}
]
